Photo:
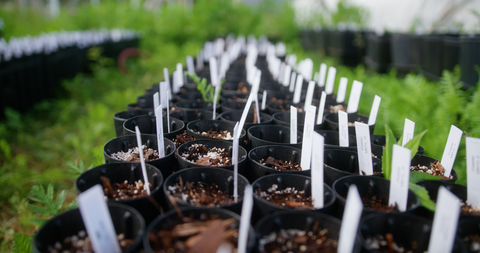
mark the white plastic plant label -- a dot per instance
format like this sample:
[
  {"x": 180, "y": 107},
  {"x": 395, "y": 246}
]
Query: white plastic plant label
[
  {"x": 364, "y": 148},
  {"x": 317, "y": 170},
  {"x": 308, "y": 69},
  {"x": 350, "y": 221},
  {"x": 190, "y": 66},
  {"x": 180, "y": 75},
  {"x": 322, "y": 74},
  {"x": 343, "y": 128},
  {"x": 200, "y": 60},
  {"x": 342, "y": 90},
  {"x": 167, "y": 80},
  {"x": 168, "y": 114},
  {"x": 164, "y": 94},
  {"x": 354, "y": 98},
  {"x": 264, "y": 100},
  {"x": 224, "y": 64},
  {"x": 247, "y": 206},
  {"x": 400, "y": 177},
  {"x": 298, "y": 89},
  {"x": 215, "y": 98},
  {"x": 142, "y": 160},
  {"x": 473, "y": 171},
  {"x": 176, "y": 87},
  {"x": 293, "y": 78},
  {"x": 307, "y": 141},
  {"x": 293, "y": 124},
  {"x": 251, "y": 98},
  {"x": 281, "y": 72},
  {"x": 321, "y": 108},
  {"x": 450, "y": 151},
  {"x": 332, "y": 71},
  {"x": 98, "y": 221},
  {"x": 445, "y": 222},
  {"x": 372, "y": 118},
  {"x": 156, "y": 101},
  {"x": 286, "y": 79},
  {"x": 214, "y": 71},
  {"x": 408, "y": 131},
  {"x": 159, "y": 125},
  {"x": 309, "y": 97},
  {"x": 236, "y": 133}
]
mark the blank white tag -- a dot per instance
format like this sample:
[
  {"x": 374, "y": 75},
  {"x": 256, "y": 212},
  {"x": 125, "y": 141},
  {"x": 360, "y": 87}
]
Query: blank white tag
[
  {"x": 156, "y": 101},
  {"x": 342, "y": 90},
  {"x": 316, "y": 77},
  {"x": 257, "y": 107},
  {"x": 307, "y": 141},
  {"x": 281, "y": 72},
  {"x": 215, "y": 98},
  {"x": 330, "y": 80},
  {"x": 317, "y": 170},
  {"x": 445, "y": 222},
  {"x": 168, "y": 114},
  {"x": 97, "y": 220},
  {"x": 264, "y": 100},
  {"x": 408, "y": 131},
  {"x": 176, "y": 87},
  {"x": 224, "y": 65},
  {"x": 159, "y": 125},
  {"x": 142, "y": 160},
  {"x": 286, "y": 79},
  {"x": 450, "y": 152},
  {"x": 364, "y": 148},
  {"x": 200, "y": 60},
  {"x": 350, "y": 221},
  {"x": 473, "y": 171},
  {"x": 308, "y": 69},
  {"x": 400, "y": 177},
  {"x": 293, "y": 124},
  {"x": 180, "y": 75},
  {"x": 247, "y": 206},
  {"x": 372, "y": 119},
  {"x": 354, "y": 98},
  {"x": 309, "y": 97},
  {"x": 167, "y": 80},
  {"x": 343, "y": 128},
  {"x": 298, "y": 89},
  {"x": 164, "y": 94},
  {"x": 236, "y": 134},
  {"x": 245, "y": 111},
  {"x": 214, "y": 71},
  {"x": 321, "y": 108},
  {"x": 292, "y": 81},
  {"x": 322, "y": 74},
  {"x": 190, "y": 66}
]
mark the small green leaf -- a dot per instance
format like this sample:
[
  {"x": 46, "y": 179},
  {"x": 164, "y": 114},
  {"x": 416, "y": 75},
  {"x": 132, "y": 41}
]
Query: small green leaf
[
  {"x": 387, "y": 152},
  {"x": 422, "y": 194},
  {"x": 38, "y": 209},
  {"x": 22, "y": 244},
  {"x": 38, "y": 222},
  {"x": 414, "y": 143},
  {"x": 417, "y": 176},
  {"x": 72, "y": 205},
  {"x": 60, "y": 200}
]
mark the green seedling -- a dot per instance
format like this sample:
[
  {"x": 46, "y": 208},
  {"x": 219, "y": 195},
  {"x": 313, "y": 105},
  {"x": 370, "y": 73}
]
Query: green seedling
[{"x": 207, "y": 90}]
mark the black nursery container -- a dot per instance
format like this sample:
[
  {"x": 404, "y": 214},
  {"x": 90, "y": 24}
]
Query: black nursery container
[
  {"x": 147, "y": 125},
  {"x": 371, "y": 186},
  {"x": 190, "y": 115},
  {"x": 172, "y": 218},
  {"x": 381, "y": 141},
  {"x": 427, "y": 161},
  {"x": 469, "y": 58},
  {"x": 190, "y": 105},
  {"x": 331, "y": 122},
  {"x": 125, "y": 219},
  {"x": 378, "y": 52},
  {"x": 341, "y": 163},
  {"x": 120, "y": 117},
  {"x": 433, "y": 56},
  {"x": 451, "y": 51},
  {"x": 400, "y": 52},
  {"x": 284, "y": 220},
  {"x": 272, "y": 135},
  {"x": 467, "y": 230},
  {"x": 236, "y": 115},
  {"x": 132, "y": 172},
  {"x": 206, "y": 125},
  {"x": 165, "y": 164},
  {"x": 221, "y": 177}
]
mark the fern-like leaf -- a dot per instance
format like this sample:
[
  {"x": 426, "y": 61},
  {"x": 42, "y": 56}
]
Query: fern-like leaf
[{"x": 22, "y": 244}]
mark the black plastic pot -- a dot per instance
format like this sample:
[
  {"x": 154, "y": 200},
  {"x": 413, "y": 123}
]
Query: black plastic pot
[
  {"x": 264, "y": 207},
  {"x": 215, "y": 125},
  {"x": 381, "y": 141},
  {"x": 346, "y": 46},
  {"x": 223, "y": 178},
  {"x": 236, "y": 115},
  {"x": 272, "y": 135},
  {"x": 188, "y": 96},
  {"x": 125, "y": 219},
  {"x": 341, "y": 163},
  {"x": 190, "y": 115},
  {"x": 283, "y": 119},
  {"x": 284, "y": 220},
  {"x": 120, "y": 117},
  {"x": 371, "y": 186},
  {"x": 165, "y": 164},
  {"x": 234, "y": 97},
  {"x": 468, "y": 227},
  {"x": 433, "y": 56},
  {"x": 407, "y": 230},
  {"x": 400, "y": 52},
  {"x": 469, "y": 58},
  {"x": 331, "y": 122},
  {"x": 332, "y": 142},
  {"x": 118, "y": 173},
  {"x": 427, "y": 161},
  {"x": 191, "y": 105},
  {"x": 284, "y": 105},
  {"x": 432, "y": 187},
  {"x": 242, "y": 155},
  {"x": 171, "y": 219},
  {"x": 450, "y": 51},
  {"x": 417, "y": 52},
  {"x": 147, "y": 125},
  {"x": 378, "y": 52}
]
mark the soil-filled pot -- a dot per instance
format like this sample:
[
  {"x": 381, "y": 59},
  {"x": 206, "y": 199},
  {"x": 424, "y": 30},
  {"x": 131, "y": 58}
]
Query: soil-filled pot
[
  {"x": 221, "y": 129},
  {"x": 235, "y": 105},
  {"x": 131, "y": 172},
  {"x": 341, "y": 163},
  {"x": 226, "y": 146},
  {"x": 147, "y": 125},
  {"x": 191, "y": 115},
  {"x": 272, "y": 135},
  {"x": 259, "y": 156},
  {"x": 408, "y": 231},
  {"x": 125, "y": 143},
  {"x": 125, "y": 219},
  {"x": 468, "y": 231},
  {"x": 283, "y": 119},
  {"x": 120, "y": 117},
  {"x": 421, "y": 160},
  {"x": 279, "y": 187},
  {"x": 378, "y": 52},
  {"x": 171, "y": 219},
  {"x": 469, "y": 58},
  {"x": 331, "y": 121},
  {"x": 432, "y": 187},
  {"x": 223, "y": 179},
  {"x": 194, "y": 106},
  {"x": 284, "y": 105},
  {"x": 268, "y": 227},
  {"x": 381, "y": 141},
  {"x": 400, "y": 48},
  {"x": 236, "y": 115},
  {"x": 371, "y": 187}
]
